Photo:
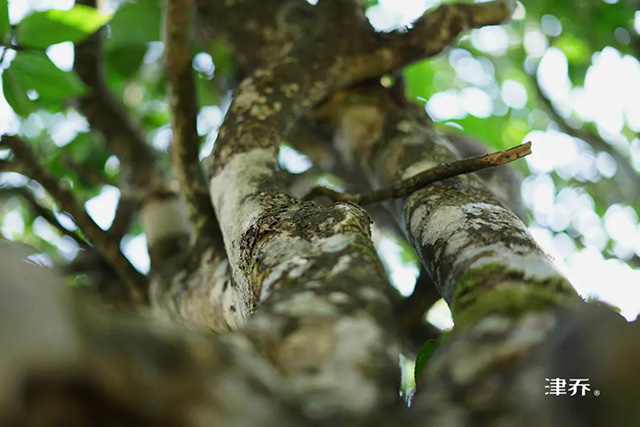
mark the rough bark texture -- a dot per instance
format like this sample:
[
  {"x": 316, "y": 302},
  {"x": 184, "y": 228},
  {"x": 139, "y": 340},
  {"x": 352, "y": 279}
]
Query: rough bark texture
[
  {"x": 502, "y": 289},
  {"x": 474, "y": 247}
]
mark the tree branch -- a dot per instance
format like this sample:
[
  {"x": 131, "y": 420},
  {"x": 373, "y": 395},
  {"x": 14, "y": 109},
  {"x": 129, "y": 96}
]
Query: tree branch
[
  {"x": 184, "y": 108},
  {"x": 8, "y": 166},
  {"x": 437, "y": 29},
  {"x": 104, "y": 113},
  {"x": 134, "y": 281},
  {"x": 125, "y": 214},
  {"x": 438, "y": 173},
  {"x": 42, "y": 211}
]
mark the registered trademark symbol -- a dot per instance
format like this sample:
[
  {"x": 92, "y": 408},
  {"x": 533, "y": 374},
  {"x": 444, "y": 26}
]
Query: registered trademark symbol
[{"x": 596, "y": 393}]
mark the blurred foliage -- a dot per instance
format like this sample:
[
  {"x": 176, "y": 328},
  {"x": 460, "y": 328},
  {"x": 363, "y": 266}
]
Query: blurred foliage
[
  {"x": 42, "y": 29},
  {"x": 43, "y": 96}
]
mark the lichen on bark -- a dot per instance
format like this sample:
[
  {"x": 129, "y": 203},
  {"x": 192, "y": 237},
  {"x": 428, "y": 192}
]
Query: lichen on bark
[{"x": 457, "y": 226}]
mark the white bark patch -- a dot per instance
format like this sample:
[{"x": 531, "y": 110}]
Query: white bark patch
[
  {"x": 456, "y": 243},
  {"x": 491, "y": 326},
  {"x": 290, "y": 257},
  {"x": 261, "y": 110},
  {"x": 441, "y": 224},
  {"x": 531, "y": 330},
  {"x": 226, "y": 298},
  {"x": 470, "y": 361},
  {"x": 535, "y": 264},
  {"x": 338, "y": 298},
  {"x": 371, "y": 294},
  {"x": 335, "y": 243},
  {"x": 405, "y": 126},
  {"x": 233, "y": 193},
  {"x": 342, "y": 349},
  {"x": 292, "y": 268},
  {"x": 163, "y": 218},
  {"x": 358, "y": 337},
  {"x": 493, "y": 216}
]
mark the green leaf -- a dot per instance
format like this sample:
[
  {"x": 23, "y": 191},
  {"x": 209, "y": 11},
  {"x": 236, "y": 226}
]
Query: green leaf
[
  {"x": 418, "y": 79},
  {"x": 407, "y": 253},
  {"x": 425, "y": 353},
  {"x": 34, "y": 70},
  {"x": 16, "y": 94},
  {"x": 576, "y": 50},
  {"x": 5, "y": 26},
  {"x": 223, "y": 58},
  {"x": 136, "y": 23},
  {"x": 124, "y": 61},
  {"x": 41, "y": 29}
]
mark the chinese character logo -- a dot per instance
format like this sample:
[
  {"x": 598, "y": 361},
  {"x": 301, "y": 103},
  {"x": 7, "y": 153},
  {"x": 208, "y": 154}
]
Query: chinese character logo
[
  {"x": 576, "y": 386},
  {"x": 579, "y": 383},
  {"x": 556, "y": 386}
]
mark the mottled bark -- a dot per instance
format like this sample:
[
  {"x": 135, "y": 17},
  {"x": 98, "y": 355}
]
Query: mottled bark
[
  {"x": 323, "y": 318},
  {"x": 471, "y": 244},
  {"x": 272, "y": 238},
  {"x": 188, "y": 286},
  {"x": 502, "y": 289}
]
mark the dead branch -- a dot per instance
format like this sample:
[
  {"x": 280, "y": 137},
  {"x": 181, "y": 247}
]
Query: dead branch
[{"x": 438, "y": 173}]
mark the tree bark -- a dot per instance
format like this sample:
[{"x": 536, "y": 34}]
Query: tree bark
[{"x": 293, "y": 323}]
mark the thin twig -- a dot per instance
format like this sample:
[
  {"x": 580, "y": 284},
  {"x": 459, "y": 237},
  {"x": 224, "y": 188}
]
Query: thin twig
[
  {"x": 135, "y": 282},
  {"x": 438, "y": 173},
  {"x": 11, "y": 46},
  {"x": 184, "y": 109}
]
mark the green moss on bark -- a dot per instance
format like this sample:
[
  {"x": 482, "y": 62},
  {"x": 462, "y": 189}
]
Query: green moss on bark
[{"x": 494, "y": 289}]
